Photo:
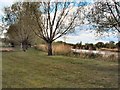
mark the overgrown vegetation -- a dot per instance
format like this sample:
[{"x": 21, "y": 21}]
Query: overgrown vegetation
[
  {"x": 58, "y": 49},
  {"x": 64, "y": 49},
  {"x": 98, "y": 57}
]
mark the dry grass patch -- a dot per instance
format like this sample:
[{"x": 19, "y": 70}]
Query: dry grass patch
[
  {"x": 58, "y": 49},
  {"x": 41, "y": 47},
  {"x": 112, "y": 50},
  {"x": 6, "y": 49},
  {"x": 61, "y": 49}
]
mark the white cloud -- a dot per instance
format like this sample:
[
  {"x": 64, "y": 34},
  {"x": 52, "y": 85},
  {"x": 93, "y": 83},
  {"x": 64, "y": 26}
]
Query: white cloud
[
  {"x": 7, "y": 1},
  {"x": 85, "y": 37},
  {"x": 1, "y": 12}
]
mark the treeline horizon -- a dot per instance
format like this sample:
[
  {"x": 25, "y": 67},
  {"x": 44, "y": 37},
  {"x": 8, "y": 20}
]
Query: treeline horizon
[
  {"x": 111, "y": 44},
  {"x": 98, "y": 45}
]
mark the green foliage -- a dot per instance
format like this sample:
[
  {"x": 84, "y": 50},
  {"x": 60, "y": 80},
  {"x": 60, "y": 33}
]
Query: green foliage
[
  {"x": 111, "y": 45},
  {"x": 79, "y": 45},
  {"x": 99, "y": 45},
  {"x": 18, "y": 17},
  {"x": 118, "y": 44}
]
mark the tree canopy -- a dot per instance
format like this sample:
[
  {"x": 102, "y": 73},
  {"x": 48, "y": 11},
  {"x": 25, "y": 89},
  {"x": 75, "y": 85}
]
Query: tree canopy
[
  {"x": 17, "y": 18},
  {"x": 105, "y": 16},
  {"x": 48, "y": 20}
]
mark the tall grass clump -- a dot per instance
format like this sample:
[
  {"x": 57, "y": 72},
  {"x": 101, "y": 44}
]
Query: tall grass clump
[
  {"x": 86, "y": 55},
  {"x": 61, "y": 49},
  {"x": 100, "y": 57},
  {"x": 41, "y": 47},
  {"x": 112, "y": 58},
  {"x": 58, "y": 49}
]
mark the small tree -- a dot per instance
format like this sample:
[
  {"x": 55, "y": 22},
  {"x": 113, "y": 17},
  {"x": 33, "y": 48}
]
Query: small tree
[
  {"x": 111, "y": 44},
  {"x": 20, "y": 36},
  {"x": 19, "y": 31},
  {"x": 79, "y": 45},
  {"x": 99, "y": 45},
  {"x": 118, "y": 45}
]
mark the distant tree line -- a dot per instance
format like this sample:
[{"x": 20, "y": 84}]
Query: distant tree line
[
  {"x": 91, "y": 46},
  {"x": 98, "y": 45}
]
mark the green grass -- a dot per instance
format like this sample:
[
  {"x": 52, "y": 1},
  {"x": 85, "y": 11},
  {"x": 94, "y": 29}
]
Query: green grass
[{"x": 34, "y": 69}]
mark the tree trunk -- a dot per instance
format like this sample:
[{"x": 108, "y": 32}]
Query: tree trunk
[
  {"x": 24, "y": 47},
  {"x": 21, "y": 46},
  {"x": 50, "y": 49}
]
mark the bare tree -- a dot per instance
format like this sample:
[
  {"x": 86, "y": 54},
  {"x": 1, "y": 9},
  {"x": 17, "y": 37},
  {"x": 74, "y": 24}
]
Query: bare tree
[
  {"x": 49, "y": 20},
  {"x": 105, "y": 16},
  {"x": 56, "y": 20}
]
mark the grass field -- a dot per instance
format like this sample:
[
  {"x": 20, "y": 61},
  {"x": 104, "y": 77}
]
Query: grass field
[{"x": 34, "y": 69}]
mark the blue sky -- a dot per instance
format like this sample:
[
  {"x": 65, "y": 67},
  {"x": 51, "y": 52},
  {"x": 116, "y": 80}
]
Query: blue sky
[{"x": 86, "y": 36}]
